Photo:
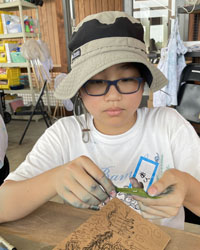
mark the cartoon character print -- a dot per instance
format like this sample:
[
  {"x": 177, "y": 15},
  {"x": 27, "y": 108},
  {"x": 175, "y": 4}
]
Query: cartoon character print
[
  {"x": 146, "y": 170},
  {"x": 144, "y": 177}
]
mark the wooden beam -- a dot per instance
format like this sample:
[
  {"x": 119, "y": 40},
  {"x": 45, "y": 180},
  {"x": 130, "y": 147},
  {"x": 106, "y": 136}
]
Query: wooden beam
[{"x": 61, "y": 35}]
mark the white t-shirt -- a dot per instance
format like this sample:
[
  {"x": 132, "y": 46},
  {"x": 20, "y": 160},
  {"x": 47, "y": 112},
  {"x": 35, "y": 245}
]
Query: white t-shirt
[
  {"x": 159, "y": 140},
  {"x": 3, "y": 141}
]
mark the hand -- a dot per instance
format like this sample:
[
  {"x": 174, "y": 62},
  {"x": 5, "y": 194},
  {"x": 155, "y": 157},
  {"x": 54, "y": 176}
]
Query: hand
[
  {"x": 82, "y": 184},
  {"x": 168, "y": 205}
]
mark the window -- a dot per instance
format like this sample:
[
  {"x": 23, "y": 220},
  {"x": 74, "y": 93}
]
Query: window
[{"x": 155, "y": 16}]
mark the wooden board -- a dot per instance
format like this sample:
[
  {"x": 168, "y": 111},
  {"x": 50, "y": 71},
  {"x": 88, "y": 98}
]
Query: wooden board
[
  {"x": 52, "y": 222},
  {"x": 116, "y": 226}
]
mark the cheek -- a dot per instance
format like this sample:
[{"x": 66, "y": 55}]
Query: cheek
[
  {"x": 91, "y": 103},
  {"x": 138, "y": 96},
  {"x": 133, "y": 101}
]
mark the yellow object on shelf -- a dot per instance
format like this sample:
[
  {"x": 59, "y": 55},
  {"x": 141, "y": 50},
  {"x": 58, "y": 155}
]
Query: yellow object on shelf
[
  {"x": 5, "y": 84},
  {"x": 11, "y": 73},
  {"x": 10, "y": 78},
  {"x": 5, "y": 47},
  {"x": 2, "y": 44},
  {"x": 2, "y": 47},
  {"x": 3, "y": 57}
]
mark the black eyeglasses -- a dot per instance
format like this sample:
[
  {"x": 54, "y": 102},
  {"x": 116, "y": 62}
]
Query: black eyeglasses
[{"x": 124, "y": 86}]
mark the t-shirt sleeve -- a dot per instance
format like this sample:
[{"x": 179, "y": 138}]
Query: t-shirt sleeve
[
  {"x": 46, "y": 154},
  {"x": 185, "y": 145}
]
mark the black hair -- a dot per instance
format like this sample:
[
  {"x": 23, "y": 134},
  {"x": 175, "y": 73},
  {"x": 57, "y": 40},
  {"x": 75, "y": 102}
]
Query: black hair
[{"x": 143, "y": 70}]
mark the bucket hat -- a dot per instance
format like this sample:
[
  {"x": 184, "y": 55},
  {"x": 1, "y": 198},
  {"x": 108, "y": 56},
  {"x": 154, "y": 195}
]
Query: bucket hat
[{"x": 102, "y": 40}]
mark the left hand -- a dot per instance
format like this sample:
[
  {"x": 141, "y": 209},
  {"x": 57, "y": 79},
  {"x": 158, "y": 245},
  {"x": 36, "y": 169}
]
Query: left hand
[{"x": 169, "y": 204}]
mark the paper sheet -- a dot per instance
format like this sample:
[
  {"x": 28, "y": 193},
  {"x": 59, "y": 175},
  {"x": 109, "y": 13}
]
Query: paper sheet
[{"x": 116, "y": 226}]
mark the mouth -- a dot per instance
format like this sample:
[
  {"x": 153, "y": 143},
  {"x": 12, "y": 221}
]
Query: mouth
[{"x": 114, "y": 111}]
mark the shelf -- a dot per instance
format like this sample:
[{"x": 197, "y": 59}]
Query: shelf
[
  {"x": 189, "y": 8},
  {"x": 18, "y": 35},
  {"x": 14, "y": 6},
  {"x": 20, "y": 91},
  {"x": 14, "y": 65},
  {"x": 20, "y": 6}
]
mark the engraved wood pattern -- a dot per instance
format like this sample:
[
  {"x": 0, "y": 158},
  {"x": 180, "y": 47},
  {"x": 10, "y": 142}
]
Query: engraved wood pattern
[{"x": 116, "y": 226}]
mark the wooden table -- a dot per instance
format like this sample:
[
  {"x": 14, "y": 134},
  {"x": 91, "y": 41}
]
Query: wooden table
[{"x": 52, "y": 222}]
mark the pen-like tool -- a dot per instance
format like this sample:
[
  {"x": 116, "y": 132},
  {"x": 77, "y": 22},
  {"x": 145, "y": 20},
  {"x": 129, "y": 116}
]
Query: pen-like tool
[{"x": 4, "y": 245}]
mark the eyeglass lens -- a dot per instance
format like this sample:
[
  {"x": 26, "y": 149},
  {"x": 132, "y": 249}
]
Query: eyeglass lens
[{"x": 124, "y": 86}]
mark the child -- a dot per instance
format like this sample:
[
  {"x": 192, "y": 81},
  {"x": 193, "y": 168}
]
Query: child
[{"x": 113, "y": 139}]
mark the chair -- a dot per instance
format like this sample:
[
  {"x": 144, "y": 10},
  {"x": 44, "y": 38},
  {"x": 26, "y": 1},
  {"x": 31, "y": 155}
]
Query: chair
[
  {"x": 189, "y": 93},
  {"x": 38, "y": 109},
  {"x": 189, "y": 107},
  {"x": 190, "y": 217}
]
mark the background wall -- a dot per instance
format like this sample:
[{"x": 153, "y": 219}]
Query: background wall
[{"x": 84, "y": 8}]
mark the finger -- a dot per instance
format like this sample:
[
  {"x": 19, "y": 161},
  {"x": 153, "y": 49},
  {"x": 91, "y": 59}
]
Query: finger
[
  {"x": 84, "y": 186},
  {"x": 162, "y": 201},
  {"x": 168, "y": 179},
  {"x": 160, "y": 211},
  {"x": 81, "y": 193},
  {"x": 71, "y": 199},
  {"x": 92, "y": 169},
  {"x": 172, "y": 203},
  {"x": 149, "y": 213},
  {"x": 107, "y": 186},
  {"x": 150, "y": 216},
  {"x": 134, "y": 182}
]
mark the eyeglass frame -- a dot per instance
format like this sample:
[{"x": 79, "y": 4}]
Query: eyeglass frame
[{"x": 114, "y": 82}]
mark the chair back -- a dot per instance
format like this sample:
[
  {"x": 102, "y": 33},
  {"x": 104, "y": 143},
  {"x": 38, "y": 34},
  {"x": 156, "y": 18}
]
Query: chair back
[
  {"x": 190, "y": 73},
  {"x": 189, "y": 93}
]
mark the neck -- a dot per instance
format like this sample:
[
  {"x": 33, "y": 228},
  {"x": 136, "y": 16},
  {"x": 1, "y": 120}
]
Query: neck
[{"x": 115, "y": 129}]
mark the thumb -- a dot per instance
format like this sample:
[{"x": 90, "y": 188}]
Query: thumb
[
  {"x": 162, "y": 184},
  {"x": 154, "y": 190}
]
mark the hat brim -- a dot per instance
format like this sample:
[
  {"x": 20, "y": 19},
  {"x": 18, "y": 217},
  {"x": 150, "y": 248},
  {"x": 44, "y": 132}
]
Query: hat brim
[{"x": 74, "y": 80}]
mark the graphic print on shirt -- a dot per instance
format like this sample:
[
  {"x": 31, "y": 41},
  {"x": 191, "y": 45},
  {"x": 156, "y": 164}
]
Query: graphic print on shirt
[
  {"x": 162, "y": 168},
  {"x": 116, "y": 177},
  {"x": 145, "y": 172}
]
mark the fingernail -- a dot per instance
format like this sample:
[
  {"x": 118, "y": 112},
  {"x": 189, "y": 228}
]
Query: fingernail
[
  {"x": 96, "y": 208},
  {"x": 107, "y": 200},
  {"x": 113, "y": 193},
  {"x": 152, "y": 191}
]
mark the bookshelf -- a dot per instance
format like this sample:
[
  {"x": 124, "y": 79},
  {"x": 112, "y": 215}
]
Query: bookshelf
[{"x": 21, "y": 5}]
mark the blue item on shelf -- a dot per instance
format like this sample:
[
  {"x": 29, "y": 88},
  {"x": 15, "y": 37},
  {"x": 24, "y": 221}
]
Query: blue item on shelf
[{"x": 21, "y": 86}]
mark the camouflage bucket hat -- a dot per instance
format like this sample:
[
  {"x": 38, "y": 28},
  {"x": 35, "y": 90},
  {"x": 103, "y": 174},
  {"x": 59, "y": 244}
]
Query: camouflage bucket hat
[{"x": 102, "y": 40}]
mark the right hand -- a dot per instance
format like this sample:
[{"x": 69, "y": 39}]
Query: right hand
[{"x": 81, "y": 183}]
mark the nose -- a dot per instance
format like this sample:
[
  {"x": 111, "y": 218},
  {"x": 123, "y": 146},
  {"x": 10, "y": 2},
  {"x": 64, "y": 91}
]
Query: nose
[{"x": 113, "y": 94}]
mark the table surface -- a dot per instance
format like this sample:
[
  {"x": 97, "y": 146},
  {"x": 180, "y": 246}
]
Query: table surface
[{"x": 52, "y": 222}]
